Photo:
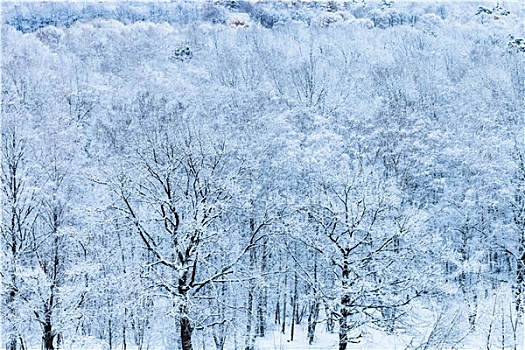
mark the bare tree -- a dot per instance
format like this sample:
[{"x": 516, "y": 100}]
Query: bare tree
[
  {"x": 18, "y": 218},
  {"x": 370, "y": 244},
  {"x": 176, "y": 194}
]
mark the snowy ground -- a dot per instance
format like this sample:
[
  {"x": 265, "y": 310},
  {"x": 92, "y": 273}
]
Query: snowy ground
[
  {"x": 376, "y": 340},
  {"x": 325, "y": 340},
  {"x": 277, "y": 340},
  {"x": 443, "y": 326},
  {"x": 372, "y": 340}
]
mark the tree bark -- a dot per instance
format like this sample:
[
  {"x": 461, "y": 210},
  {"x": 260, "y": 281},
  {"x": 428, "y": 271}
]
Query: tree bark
[
  {"x": 249, "y": 306},
  {"x": 294, "y": 308},
  {"x": 124, "y": 343},
  {"x": 262, "y": 300},
  {"x": 312, "y": 321},
  {"x": 261, "y": 308},
  {"x": 12, "y": 343},
  {"x": 283, "y": 328},
  {"x": 186, "y": 331},
  {"x": 277, "y": 313},
  {"x": 314, "y": 308},
  {"x": 345, "y": 300},
  {"x": 520, "y": 277},
  {"x": 343, "y": 324},
  {"x": 49, "y": 335}
]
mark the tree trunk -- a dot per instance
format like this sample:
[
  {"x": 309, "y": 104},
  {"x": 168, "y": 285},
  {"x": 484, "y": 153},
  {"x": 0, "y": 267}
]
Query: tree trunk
[
  {"x": 220, "y": 338},
  {"x": 312, "y": 320},
  {"x": 345, "y": 301},
  {"x": 283, "y": 328},
  {"x": 186, "y": 331},
  {"x": 520, "y": 281},
  {"x": 262, "y": 301},
  {"x": 330, "y": 322},
  {"x": 110, "y": 334},
  {"x": 220, "y": 331},
  {"x": 13, "y": 158},
  {"x": 277, "y": 313},
  {"x": 292, "y": 327},
  {"x": 261, "y": 307},
  {"x": 473, "y": 311},
  {"x": 343, "y": 325},
  {"x": 294, "y": 308},
  {"x": 48, "y": 333},
  {"x": 11, "y": 313},
  {"x": 12, "y": 343},
  {"x": 124, "y": 344},
  {"x": 313, "y": 313},
  {"x": 249, "y": 306}
]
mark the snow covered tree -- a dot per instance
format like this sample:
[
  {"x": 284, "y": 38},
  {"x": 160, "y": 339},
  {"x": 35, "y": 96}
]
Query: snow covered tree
[
  {"x": 372, "y": 244},
  {"x": 176, "y": 195},
  {"x": 17, "y": 226}
]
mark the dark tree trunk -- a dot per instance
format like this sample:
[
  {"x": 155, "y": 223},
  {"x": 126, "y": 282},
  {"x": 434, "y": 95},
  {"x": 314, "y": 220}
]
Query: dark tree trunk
[
  {"x": 13, "y": 155},
  {"x": 520, "y": 281},
  {"x": 292, "y": 327},
  {"x": 249, "y": 306},
  {"x": 283, "y": 328},
  {"x": 312, "y": 320},
  {"x": 54, "y": 273},
  {"x": 22, "y": 345},
  {"x": 345, "y": 301},
  {"x": 48, "y": 334},
  {"x": 110, "y": 334},
  {"x": 261, "y": 306},
  {"x": 12, "y": 343},
  {"x": 186, "y": 331},
  {"x": 294, "y": 308},
  {"x": 343, "y": 325},
  {"x": 124, "y": 343},
  {"x": 277, "y": 313},
  {"x": 262, "y": 301},
  {"x": 520, "y": 268}
]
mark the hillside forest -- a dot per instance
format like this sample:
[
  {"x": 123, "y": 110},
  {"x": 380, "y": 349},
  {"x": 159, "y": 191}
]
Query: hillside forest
[{"x": 262, "y": 175}]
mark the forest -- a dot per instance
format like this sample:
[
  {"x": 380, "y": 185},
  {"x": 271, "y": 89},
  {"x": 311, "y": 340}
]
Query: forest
[{"x": 263, "y": 175}]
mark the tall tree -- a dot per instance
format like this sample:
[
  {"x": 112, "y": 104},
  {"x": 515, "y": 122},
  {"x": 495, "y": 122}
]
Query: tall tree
[
  {"x": 179, "y": 194},
  {"x": 17, "y": 225}
]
